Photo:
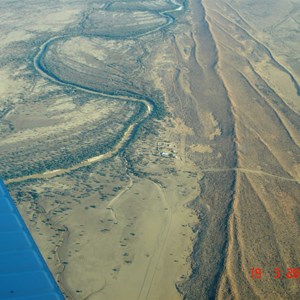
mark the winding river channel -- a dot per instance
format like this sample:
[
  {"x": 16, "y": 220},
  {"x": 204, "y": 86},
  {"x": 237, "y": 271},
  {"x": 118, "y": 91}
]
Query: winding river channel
[{"x": 150, "y": 106}]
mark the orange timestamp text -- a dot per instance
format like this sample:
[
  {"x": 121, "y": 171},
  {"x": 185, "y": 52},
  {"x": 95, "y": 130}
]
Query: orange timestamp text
[{"x": 290, "y": 273}]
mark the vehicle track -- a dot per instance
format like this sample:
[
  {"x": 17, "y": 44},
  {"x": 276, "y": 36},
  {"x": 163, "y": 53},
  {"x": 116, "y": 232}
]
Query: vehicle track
[
  {"x": 257, "y": 172},
  {"x": 154, "y": 262},
  {"x": 111, "y": 203}
]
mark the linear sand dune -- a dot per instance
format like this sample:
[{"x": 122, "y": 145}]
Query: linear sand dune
[
  {"x": 234, "y": 75},
  {"x": 262, "y": 227}
]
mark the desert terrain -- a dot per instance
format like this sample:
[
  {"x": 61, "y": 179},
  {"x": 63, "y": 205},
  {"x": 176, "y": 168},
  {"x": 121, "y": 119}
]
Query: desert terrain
[{"x": 152, "y": 147}]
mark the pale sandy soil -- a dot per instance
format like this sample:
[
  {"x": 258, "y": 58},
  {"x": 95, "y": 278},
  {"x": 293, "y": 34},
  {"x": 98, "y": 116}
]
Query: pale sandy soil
[{"x": 134, "y": 246}]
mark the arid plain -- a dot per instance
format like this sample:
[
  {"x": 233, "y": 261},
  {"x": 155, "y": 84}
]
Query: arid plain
[{"x": 152, "y": 147}]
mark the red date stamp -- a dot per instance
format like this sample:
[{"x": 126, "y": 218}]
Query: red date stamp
[{"x": 290, "y": 273}]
